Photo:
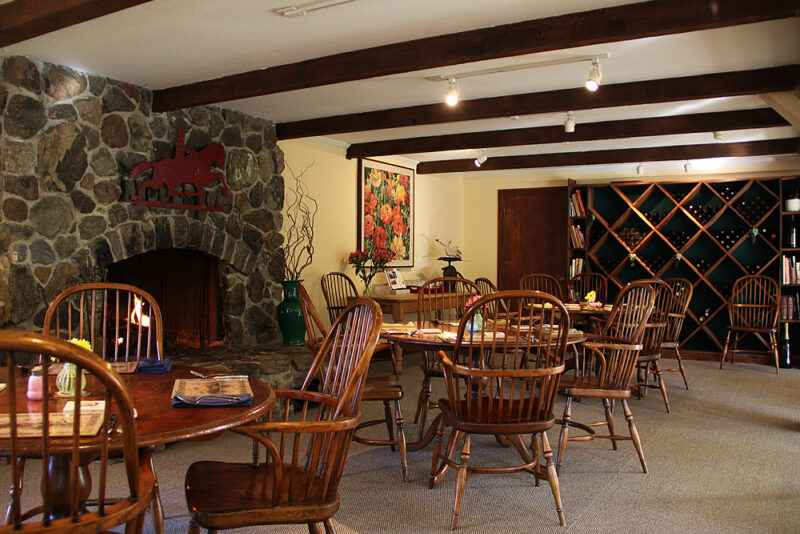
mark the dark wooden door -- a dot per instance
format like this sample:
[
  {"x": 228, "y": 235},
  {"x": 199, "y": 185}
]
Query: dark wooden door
[{"x": 532, "y": 234}]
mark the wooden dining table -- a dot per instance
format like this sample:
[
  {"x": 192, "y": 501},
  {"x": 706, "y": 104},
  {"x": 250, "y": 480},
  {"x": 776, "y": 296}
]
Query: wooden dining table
[{"x": 157, "y": 422}]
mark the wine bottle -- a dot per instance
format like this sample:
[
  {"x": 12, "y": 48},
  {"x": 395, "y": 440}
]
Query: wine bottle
[{"x": 785, "y": 354}]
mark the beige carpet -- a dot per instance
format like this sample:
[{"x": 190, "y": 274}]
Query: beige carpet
[{"x": 726, "y": 460}]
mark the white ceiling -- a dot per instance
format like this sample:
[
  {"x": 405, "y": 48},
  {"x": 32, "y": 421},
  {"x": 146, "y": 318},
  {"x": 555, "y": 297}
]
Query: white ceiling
[{"x": 165, "y": 43}]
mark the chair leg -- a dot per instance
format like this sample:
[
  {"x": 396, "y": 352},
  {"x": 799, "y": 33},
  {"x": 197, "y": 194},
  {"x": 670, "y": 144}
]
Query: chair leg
[
  {"x": 194, "y": 528},
  {"x": 422, "y": 406},
  {"x": 329, "y": 528},
  {"x": 634, "y": 434},
  {"x": 461, "y": 481},
  {"x": 313, "y": 528},
  {"x": 609, "y": 411},
  {"x": 401, "y": 439},
  {"x": 563, "y": 437},
  {"x": 156, "y": 506},
  {"x": 18, "y": 485},
  {"x": 661, "y": 385},
  {"x": 437, "y": 449},
  {"x": 552, "y": 476},
  {"x": 725, "y": 350},
  {"x": 387, "y": 417},
  {"x": 680, "y": 367}
]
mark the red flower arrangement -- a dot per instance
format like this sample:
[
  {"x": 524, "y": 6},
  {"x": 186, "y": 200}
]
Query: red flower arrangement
[{"x": 368, "y": 263}]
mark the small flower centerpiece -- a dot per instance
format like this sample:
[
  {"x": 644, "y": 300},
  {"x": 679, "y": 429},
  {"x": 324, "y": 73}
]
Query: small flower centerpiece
[
  {"x": 67, "y": 376},
  {"x": 476, "y": 325},
  {"x": 590, "y": 300},
  {"x": 368, "y": 263}
]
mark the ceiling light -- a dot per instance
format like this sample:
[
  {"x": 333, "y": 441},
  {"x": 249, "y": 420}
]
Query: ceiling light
[
  {"x": 520, "y": 66},
  {"x": 451, "y": 96},
  {"x": 569, "y": 123},
  {"x": 640, "y": 169},
  {"x": 718, "y": 135},
  {"x": 303, "y": 9},
  {"x": 595, "y": 76},
  {"x": 480, "y": 160}
]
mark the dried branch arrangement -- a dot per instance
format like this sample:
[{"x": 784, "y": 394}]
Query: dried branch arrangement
[{"x": 298, "y": 249}]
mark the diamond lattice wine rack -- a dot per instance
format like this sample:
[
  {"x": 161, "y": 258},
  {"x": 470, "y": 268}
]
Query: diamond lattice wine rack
[{"x": 710, "y": 233}]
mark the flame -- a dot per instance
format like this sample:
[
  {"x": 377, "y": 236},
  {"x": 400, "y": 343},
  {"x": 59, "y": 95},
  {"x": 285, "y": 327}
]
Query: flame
[{"x": 136, "y": 314}]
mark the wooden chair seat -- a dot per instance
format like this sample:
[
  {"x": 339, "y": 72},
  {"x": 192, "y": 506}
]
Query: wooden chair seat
[
  {"x": 494, "y": 421},
  {"x": 247, "y": 498},
  {"x": 382, "y": 388},
  {"x": 590, "y": 387}
]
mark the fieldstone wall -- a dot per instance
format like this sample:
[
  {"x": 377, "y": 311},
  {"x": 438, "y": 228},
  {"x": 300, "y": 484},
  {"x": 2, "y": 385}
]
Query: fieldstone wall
[{"x": 67, "y": 143}]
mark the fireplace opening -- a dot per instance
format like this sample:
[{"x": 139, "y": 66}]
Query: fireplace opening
[{"x": 186, "y": 285}]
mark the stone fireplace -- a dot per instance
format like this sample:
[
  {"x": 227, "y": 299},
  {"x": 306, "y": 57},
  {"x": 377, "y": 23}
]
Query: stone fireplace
[{"x": 67, "y": 144}]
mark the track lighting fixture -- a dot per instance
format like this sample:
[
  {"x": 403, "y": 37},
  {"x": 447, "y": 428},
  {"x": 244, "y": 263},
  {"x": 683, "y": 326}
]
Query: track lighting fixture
[
  {"x": 718, "y": 135},
  {"x": 687, "y": 167},
  {"x": 595, "y": 76},
  {"x": 640, "y": 169},
  {"x": 480, "y": 160},
  {"x": 451, "y": 97},
  {"x": 569, "y": 123}
]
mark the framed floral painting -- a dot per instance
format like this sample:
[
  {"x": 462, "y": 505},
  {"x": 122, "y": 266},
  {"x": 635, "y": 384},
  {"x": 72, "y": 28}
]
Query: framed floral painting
[{"x": 386, "y": 210}]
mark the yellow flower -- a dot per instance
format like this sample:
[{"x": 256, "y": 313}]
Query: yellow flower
[
  {"x": 590, "y": 296},
  {"x": 81, "y": 343},
  {"x": 398, "y": 248}
]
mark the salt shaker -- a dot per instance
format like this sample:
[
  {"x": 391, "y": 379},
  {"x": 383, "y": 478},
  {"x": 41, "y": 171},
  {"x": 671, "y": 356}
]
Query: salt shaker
[{"x": 35, "y": 384}]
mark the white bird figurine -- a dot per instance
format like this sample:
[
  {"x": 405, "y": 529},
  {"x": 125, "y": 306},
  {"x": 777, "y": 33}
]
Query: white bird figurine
[{"x": 450, "y": 250}]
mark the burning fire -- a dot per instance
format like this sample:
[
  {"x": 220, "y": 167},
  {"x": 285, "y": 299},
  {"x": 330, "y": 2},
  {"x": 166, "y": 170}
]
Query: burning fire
[{"x": 136, "y": 315}]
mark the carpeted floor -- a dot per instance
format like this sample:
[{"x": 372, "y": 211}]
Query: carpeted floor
[{"x": 727, "y": 459}]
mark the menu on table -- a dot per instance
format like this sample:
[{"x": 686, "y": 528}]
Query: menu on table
[
  {"x": 30, "y": 425},
  {"x": 212, "y": 392}
]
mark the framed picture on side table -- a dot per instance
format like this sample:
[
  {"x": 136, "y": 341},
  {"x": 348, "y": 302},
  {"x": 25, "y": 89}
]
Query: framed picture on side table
[
  {"x": 386, "y": 210},
  {"x": 395, "y": 279}
]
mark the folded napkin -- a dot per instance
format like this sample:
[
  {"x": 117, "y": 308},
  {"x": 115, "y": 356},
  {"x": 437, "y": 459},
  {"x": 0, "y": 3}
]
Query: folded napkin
[
  {"x": 183, "y": 401},
  {"x": 148, "y": 366}
]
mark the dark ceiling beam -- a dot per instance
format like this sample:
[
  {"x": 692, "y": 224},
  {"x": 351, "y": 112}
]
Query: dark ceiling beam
[
  {"x": 24, "y": 19},
  {"x": 785, "y": 78},
  {"x": 613, "y": 24},
  {"x": 682, "y": 124},
  {"x": 630, "y": 155}
]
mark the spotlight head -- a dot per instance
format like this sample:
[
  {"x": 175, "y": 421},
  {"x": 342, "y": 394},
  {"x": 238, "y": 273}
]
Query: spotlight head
[
  {"x": 451, "y": 97},
  {"x": 569, "y": 123},
  {"x": 640, "y": 169},
  {"x": 480, "y": 160},
  {"x": 718, "y": 135},
  {"x": 687, "y": 166},
  {"x": 595, "y": 76}
]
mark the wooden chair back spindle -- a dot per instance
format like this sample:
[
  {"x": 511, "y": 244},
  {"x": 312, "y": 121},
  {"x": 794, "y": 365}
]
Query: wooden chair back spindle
[
  {"x": 122, "y": 322},
  {"x": 542, "y": 282},
  {"x": 337, "y": 288}
]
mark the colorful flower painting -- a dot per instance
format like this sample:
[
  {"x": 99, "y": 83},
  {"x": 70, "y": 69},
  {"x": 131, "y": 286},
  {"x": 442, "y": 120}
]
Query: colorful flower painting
[{"x": 386, "y": 210}]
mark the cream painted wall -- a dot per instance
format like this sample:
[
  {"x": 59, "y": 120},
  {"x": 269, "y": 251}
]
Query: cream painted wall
[{"x": 331, "y": 179}]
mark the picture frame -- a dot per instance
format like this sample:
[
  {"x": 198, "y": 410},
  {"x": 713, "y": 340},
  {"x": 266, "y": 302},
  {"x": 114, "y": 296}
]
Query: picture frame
[{"x": 385, "y": 210}]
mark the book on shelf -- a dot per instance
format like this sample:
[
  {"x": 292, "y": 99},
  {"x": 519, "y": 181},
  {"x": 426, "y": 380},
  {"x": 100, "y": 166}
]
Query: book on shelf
[
  {"x": 788, "y": 307},
  {"x": 575, "y": 267},
  {"x": 576, "y": 208},
  {"x": 576, "y": 236},
  {"x": 791, "y": 270}
]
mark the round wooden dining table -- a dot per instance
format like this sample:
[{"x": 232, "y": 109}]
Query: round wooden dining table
[{"x": 157, "y": 422}]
